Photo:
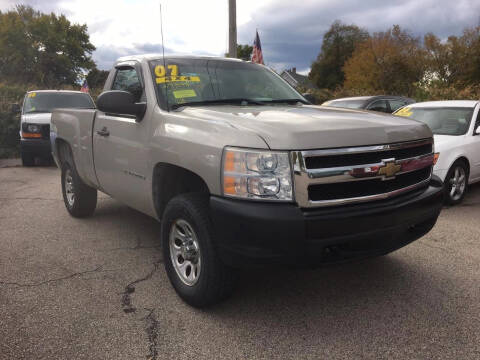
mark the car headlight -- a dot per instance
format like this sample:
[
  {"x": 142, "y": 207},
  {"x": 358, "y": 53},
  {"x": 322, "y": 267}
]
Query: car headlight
[
  {"x": 32, "y": 128},
  {"x": 257, "y": 174}
]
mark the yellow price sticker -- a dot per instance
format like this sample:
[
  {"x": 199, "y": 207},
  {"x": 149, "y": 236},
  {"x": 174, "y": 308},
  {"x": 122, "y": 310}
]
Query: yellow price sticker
[
  {"x": 162, "y": 77},
  {"x": 404, "y": 112},
  {"x": 30, "y": 95},
  {"x": 180, "y": 94}
]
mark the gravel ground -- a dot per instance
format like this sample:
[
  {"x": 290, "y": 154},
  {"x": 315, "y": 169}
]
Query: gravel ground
[{"x": 96, "y": 289}]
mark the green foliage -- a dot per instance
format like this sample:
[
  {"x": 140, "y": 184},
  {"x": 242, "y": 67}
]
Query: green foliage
[
  {"x": 9, "y": 122},
  {"x": 96, "y": 78},
  {"x": 244, "y": 52},
  {"x": 338, "y": 45},
  {"x": 42, "y": 49}
]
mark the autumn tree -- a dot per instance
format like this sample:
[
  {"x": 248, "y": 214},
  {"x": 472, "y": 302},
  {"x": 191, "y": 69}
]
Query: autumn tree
[
  {"x": 96, "y": 78},
  {"x": 42, "y": 49},
  {"x": 389, "y": 62},
  {"x": 338, "y": 44}
]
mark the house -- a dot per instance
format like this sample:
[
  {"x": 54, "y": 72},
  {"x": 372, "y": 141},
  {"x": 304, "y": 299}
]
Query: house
[{"x": 294, "y": 79}]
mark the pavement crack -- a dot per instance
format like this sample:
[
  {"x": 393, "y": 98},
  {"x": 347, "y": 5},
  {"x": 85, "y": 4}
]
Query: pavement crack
[
  {"x": 51, "y": 280},
  {"x": 152, "y": 333},
  {"x": 130, "y": 289},
  {"x": 137, "y": 246}
]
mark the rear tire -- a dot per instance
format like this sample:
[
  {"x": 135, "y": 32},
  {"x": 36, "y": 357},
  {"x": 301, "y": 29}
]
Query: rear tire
[
  {"x": 190, "y": 255},
  {"x": 80, "y": 199},
  {"x": 456, "y": 183},
  {"x": 28, "y": 159}
]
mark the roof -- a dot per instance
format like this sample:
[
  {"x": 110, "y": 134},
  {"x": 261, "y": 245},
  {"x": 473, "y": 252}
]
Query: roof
[
  {"x": 446, "y": 103},
  {"x": 64, "y": 91},
  {"x": 297, "y": 79},
  {"x": 373, "y": 97}
]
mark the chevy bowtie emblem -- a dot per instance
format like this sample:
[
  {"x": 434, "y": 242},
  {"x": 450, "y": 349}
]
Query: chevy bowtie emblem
[{"x": 389, "y": 169}]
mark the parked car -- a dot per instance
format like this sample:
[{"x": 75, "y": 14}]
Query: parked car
[
  {"x": 381, "y": 103},
  {"x": 240, "y": 170},
  {"x": 35, "y": 119},
  {"x": 456, "y": 128}
]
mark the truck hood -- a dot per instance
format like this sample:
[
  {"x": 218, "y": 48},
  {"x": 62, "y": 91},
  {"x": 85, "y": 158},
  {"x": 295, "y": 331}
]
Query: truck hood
[
  {"x": 313, "y": 127},
  {"x": 38, "y": 118}
]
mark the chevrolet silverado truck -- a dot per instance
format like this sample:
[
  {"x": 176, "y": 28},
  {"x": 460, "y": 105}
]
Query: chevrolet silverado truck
[
  {"x": 35, "y": 119},
  {"x": 241, "y": 170}
]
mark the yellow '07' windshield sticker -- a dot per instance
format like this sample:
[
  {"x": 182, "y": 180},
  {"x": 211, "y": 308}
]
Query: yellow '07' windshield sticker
[
  {"x": 406, "y": 111},
  {"x": 162, "y": 77}
]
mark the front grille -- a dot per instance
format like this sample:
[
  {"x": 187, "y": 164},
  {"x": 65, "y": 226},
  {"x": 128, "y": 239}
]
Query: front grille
[
  {"x": 354, "y": 189},
  {"x": 45, "y": 131},
  {"x": 368, "y": 173},
  {"x": 319, "y": 162}
]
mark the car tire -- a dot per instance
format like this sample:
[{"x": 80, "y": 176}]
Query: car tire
[
  {"x": 28, "y": 159},
  {"x": 456, "y": 183},
  {"x": 188, "y": 242},
  {"x": 80, "y": 199}
]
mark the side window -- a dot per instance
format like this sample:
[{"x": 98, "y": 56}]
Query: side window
[
  {"x": 379, "y": 105},
  {"x": 396, "y": 104},
  {"x": 126, "y": 79}
]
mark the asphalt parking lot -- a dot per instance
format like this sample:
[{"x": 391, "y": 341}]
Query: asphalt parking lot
[{"x": 96, "y": 289}]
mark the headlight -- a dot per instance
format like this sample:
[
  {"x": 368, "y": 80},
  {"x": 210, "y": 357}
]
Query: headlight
[
  {"x": 32, "y": 128},
  {"x": 256, "y": 174}
]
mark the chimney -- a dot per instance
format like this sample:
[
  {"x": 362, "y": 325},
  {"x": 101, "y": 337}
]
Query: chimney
[{"x": 294, "y": 70}]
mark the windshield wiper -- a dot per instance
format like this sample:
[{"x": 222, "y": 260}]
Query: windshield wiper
[
  {"x": 287, "y": 101},
  {"x": 218, "y": 101}
]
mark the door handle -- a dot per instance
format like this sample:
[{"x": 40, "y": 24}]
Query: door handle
[{"x": 104, "y": 132}]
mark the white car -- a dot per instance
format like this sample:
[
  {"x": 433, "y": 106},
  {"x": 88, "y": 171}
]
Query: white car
[{"x": 456, "y": 128}]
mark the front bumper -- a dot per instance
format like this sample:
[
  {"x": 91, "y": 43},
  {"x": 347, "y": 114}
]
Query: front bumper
[
  {"x": 249, "y": 233},
  {"x": 37, "y": 147}
]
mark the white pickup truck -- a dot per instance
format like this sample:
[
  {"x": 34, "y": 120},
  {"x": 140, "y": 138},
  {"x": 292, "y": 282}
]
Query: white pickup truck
[{"x": 241, "y": 170}]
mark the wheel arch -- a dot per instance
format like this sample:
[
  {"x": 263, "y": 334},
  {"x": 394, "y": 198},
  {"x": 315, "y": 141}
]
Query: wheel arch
[{"x": 170, "y": 180}]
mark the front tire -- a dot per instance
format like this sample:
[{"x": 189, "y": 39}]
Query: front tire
[
  {"x": 191, "y": 259},
  {"x": 80, "y": 199},
  {"x": 456, "y": 183}
]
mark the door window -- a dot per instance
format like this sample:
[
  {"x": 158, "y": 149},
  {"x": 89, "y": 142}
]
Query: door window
[
  {"x": 127, "y": 79},
  {"x": 396, "y": 104},
  {"x": 379, "y": 105}
]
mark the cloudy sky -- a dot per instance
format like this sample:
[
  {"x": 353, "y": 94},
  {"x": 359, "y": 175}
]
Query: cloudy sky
[{"x": 291, "y": 31}]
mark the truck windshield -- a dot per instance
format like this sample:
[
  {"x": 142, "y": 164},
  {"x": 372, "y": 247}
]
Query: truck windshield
[
  {"x": 45, "y": 102},
  {"x": 209, "y": 82},
  {"x": 441, "y": 120},
  {"x": 351, "y": 104}
]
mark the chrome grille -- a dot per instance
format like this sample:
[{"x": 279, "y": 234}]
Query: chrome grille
[{"x": 359, "y": 174}]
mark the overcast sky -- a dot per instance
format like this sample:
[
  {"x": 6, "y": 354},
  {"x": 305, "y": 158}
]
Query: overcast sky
[{"x": 290, "y": 31}]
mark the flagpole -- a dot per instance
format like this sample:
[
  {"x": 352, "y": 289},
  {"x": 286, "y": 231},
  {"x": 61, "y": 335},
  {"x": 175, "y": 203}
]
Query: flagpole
[{"x": 232, "y": 28}]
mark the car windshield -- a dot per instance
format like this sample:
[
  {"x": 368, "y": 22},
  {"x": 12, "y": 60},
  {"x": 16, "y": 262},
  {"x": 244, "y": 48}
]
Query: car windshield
[
  {"x": 207, "y": 81},
  {"x": 441, "y": 120},
  {"x": 37, "y": 102},
  {"x": 351, "y": 104}
]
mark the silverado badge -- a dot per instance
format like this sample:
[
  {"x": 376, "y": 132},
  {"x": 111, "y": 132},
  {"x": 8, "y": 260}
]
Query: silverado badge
[{"x": 389, "y": 169}]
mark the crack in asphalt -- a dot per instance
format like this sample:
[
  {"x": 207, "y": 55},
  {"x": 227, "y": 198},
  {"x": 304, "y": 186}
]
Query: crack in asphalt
[
  {"x": 137, "y": 246},
  {"x": 152, "y": 332},
  {"x": 51, "y": 280},
  {"x": 130, "y": 289}
]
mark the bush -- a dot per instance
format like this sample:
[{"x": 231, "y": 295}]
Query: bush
[{"x": 10, "y": 123}]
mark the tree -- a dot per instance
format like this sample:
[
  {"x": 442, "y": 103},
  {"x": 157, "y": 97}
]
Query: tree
[
  {"x": 390, "y": 62},
  {"x": 244, "y": 52},
  {"x": 338, "y": 44},
  {"x": 96, "y": 78},
  {"x": 42, "y": 49}
]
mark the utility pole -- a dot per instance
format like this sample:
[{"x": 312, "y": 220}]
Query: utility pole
[{"x": 232, "y": 28}]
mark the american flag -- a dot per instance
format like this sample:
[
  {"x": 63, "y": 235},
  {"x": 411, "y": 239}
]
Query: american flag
[
  {"x": 257, "y": 56},
  {"x": 85, "y": 88}
]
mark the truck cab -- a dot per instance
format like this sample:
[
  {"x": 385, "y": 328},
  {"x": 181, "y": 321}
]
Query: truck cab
[{"x": 35, "y": 118}]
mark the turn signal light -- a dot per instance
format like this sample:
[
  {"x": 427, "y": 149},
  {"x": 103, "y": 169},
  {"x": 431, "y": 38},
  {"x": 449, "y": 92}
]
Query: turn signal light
[
  {"x": 31, "y": 135},
  {"x": 435, "y": 158}
]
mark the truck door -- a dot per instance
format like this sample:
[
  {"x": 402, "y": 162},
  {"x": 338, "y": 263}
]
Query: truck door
[{"x": 120, "y": 146}]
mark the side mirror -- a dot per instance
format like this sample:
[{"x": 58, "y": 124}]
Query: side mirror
[
  {"x": 15, "y": 109},
  {"x": 477, "y": 130},
  {"x": 121, "y": 102},
  {"x": 310, "y": 98}
]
